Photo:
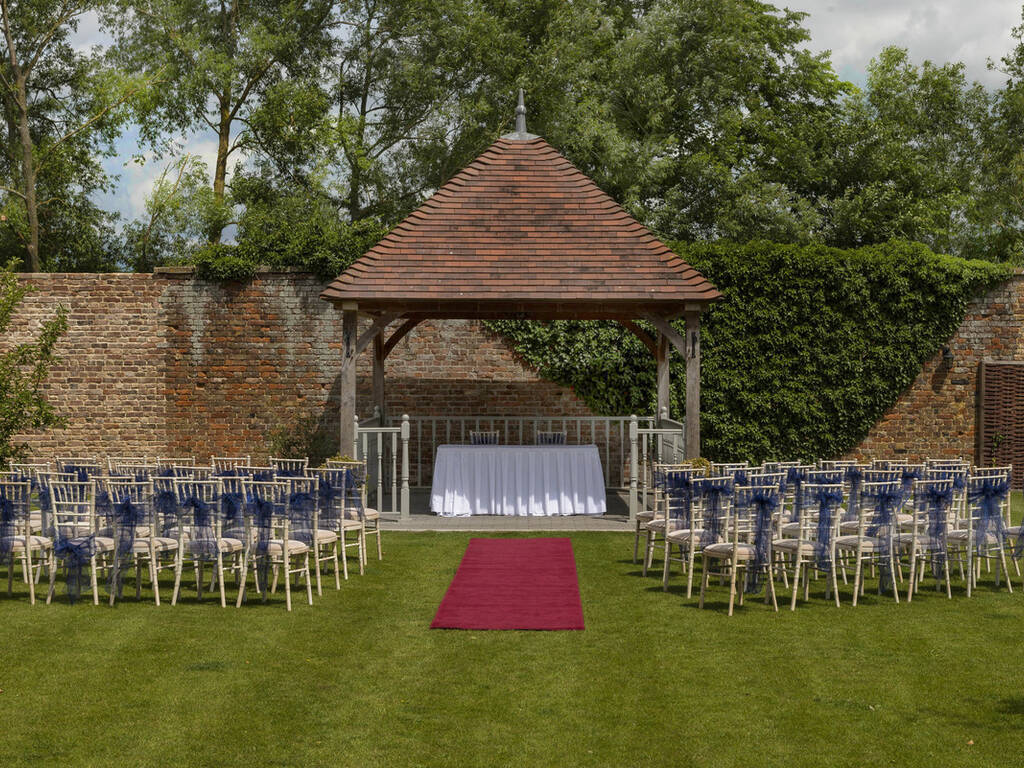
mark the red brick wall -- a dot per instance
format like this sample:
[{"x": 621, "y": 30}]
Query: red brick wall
[
  {"x": 166, "y": 364},
  {"x": 936, "y": 416}
]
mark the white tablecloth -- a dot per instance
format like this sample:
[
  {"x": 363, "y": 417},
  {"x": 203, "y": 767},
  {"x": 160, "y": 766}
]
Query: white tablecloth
[{"x": 535, "y": 480}]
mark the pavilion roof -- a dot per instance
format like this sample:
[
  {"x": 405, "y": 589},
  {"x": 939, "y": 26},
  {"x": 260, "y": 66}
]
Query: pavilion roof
[{"x": 521, "y": 230}]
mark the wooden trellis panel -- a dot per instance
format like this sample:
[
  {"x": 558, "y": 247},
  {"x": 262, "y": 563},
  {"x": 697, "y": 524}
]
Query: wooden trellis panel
[{"x": 1001, "y": 416}]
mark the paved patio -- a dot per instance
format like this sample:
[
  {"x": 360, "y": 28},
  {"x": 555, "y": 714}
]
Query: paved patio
[{"x": 422, "y": 519}]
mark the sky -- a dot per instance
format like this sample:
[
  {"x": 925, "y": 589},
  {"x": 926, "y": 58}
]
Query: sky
[{"x": 970, "y": 31}]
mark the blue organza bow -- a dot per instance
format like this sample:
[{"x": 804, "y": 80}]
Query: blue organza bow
[
  {"x": 795, "y": 477},
  {"x": 75, "y": 552},
  {"x": 262, "y": 511},
  {"x": 8, "y": 516},
  {"x": 300, "y": 507},
  {"x": 231, "y": 506},
  {"x": 328, "y": 493},
  {"x": 126, "y": 515},
  {"x": 989, "y": 496},
  {"x": 679, "y": 489},
  {"x": 855, "y": 477},
  {"x": 203, "y": 541},
  {"x": 166, "y": 503},
  {"x": 740, "y": 477},
  {"x": 887, "y": 501},
  {"x": 908, "y": 476},
  {"x": 937, "y": 502},
  {"x": 764, "y": 503},
  {"x": 828, "y": 500},
  {"x": 713, "y": 493}
]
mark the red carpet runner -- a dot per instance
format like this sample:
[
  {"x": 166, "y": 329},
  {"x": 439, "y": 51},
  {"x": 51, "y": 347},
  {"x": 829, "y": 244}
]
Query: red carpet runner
[{"x": 513, "y": 584}]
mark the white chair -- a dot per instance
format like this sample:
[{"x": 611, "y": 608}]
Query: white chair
[
  {"x": 16, "y": 538},
  {"x": 874, "y": 540},
  {"x": 76, "y": 535},
  {"x": 925, "y": 542},
  {"x": 983, "y": 535},
  {"x": 201, "y": 536},
  {"x": 356, "y": 509},
  {"x": 681, "y": 529},
  {"x": 139, "y": 534},
  {"x": 222, "y": 464},
  {"x": 304, "y": 500},
  {"x": 483, "y": 438},
  {"x": 289, "y": 467},
  {"x": 275, "y": 548},
  {"x": 813, "y": 547},
  {"x": 331, "y": 483},
  {"x": 747, "y": 546},
  {"x": 550, "y": 438}
]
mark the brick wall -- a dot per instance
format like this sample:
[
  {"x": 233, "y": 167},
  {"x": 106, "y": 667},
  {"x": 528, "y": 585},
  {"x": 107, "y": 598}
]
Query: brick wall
[
  {"x": 166, "y": 364},
  {"x": 936, "y": 416}
]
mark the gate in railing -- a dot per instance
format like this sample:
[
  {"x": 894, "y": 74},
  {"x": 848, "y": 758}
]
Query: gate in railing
[{"x": 401, "y": 457}]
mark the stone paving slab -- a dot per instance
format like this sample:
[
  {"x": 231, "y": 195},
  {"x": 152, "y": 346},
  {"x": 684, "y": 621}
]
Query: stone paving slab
[{"x": 422, "y": 519}]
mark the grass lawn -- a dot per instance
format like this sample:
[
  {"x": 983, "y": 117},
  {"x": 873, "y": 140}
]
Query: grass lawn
[{"x": 359, "y": 679}]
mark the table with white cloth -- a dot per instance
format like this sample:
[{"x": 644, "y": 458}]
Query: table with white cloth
[{"x": 522, "y": 480}]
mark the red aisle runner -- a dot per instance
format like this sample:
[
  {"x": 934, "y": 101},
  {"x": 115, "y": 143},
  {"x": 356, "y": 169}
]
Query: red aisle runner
[{"x": 513, "y": 584}]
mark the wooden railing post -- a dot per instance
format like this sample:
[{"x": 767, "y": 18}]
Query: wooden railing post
[
  {"x": 634, "y": 468},
  {"x": 405, "y": 467},
  {"x": 355, "y": 437}
]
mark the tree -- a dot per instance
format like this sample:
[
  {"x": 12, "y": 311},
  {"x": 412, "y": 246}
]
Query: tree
[
  {"x": 178, "y": 214},
  {"x": 908, "y": 157},
  {"x": 62, "y": 110},
  {"x": 23, "y": 370},
  {"x": 1000, "y": 206},
  {"x": 729, "y": 119},
  {"x": 219, "y": 61}
]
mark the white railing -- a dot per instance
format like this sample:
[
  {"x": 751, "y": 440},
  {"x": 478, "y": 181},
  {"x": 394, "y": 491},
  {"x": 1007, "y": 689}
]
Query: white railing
[
  {"x": 663, "y": 444},
  {"x": 398, "y": 458},
  {"x": 381, "y": 448}
]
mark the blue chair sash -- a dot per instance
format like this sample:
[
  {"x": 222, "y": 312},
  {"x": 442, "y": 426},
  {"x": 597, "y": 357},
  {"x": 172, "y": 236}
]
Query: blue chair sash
[
  {"x": 764, "y": 504},
  {"x": 988, "y": 496}
]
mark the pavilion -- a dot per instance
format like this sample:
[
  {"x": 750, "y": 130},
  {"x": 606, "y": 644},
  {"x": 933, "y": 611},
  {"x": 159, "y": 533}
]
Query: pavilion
[{"x": 521, "y": 234}]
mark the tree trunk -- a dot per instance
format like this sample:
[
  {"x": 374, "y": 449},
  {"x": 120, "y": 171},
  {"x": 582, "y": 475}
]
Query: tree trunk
[
  {"x": 220, "y": 173},
  {"x": 29, "y": 176}
]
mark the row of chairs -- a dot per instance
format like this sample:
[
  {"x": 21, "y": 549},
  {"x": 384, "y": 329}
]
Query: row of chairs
[
  {"x": 792, "y": 521},
  {"x": 268, "y": 521}
]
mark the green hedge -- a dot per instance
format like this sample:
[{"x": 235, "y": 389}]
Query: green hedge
[{"x": 809, "y": 347}]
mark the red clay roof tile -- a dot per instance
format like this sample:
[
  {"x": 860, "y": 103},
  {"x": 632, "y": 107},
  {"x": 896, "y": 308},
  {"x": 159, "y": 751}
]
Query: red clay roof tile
[{"x": 519, "y": 224}]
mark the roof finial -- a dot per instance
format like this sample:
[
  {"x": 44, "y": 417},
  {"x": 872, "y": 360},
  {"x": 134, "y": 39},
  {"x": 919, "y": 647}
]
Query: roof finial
[{"x": 521, "y": 114}]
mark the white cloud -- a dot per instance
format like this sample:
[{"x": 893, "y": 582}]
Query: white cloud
[{"x": 971, "y": 31}]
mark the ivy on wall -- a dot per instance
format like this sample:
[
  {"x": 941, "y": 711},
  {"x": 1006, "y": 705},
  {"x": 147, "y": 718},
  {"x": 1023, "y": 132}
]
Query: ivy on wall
[{"x": 808, "y": 349}]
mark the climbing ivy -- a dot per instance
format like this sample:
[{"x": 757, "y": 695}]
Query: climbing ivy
[{"x": 808, "y": 348}]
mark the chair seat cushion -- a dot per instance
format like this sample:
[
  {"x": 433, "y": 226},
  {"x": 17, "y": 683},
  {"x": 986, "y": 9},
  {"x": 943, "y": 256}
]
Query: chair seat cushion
[
  {"x": 793, "y": 546},
  {"x": 990, "y": 539},
  {"x": 657, "y": 524},
  {"x": 276, "y": 547},
  {"x": 225, "y": 544},
  {"x": 326, "y": 537},
  {"x": 725, "y": 550},
  {"x": 160, "y": 544},
  {"x": 1014, "y": 530},
  {"x": 682, "y": 535},
  {"x": 644, "y": 517},
  {"x": 368, "y": 513},
  {"x": 868, "y": 543},
  {"x": 906, "y": 538},
  {"x": 17, "y": 543},
  {"x": 101, "y": 544}
]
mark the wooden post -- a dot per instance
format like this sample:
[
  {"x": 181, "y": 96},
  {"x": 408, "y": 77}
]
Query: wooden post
[
  {"x": 405, "y": 467},
  {"x": 692, "y": 384},
  {"x": 347, "y": 398},
  {"x": 634, "y": 467},
  {"x": 378, "y": 377},
  {"x": 662, "y": 359}
]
